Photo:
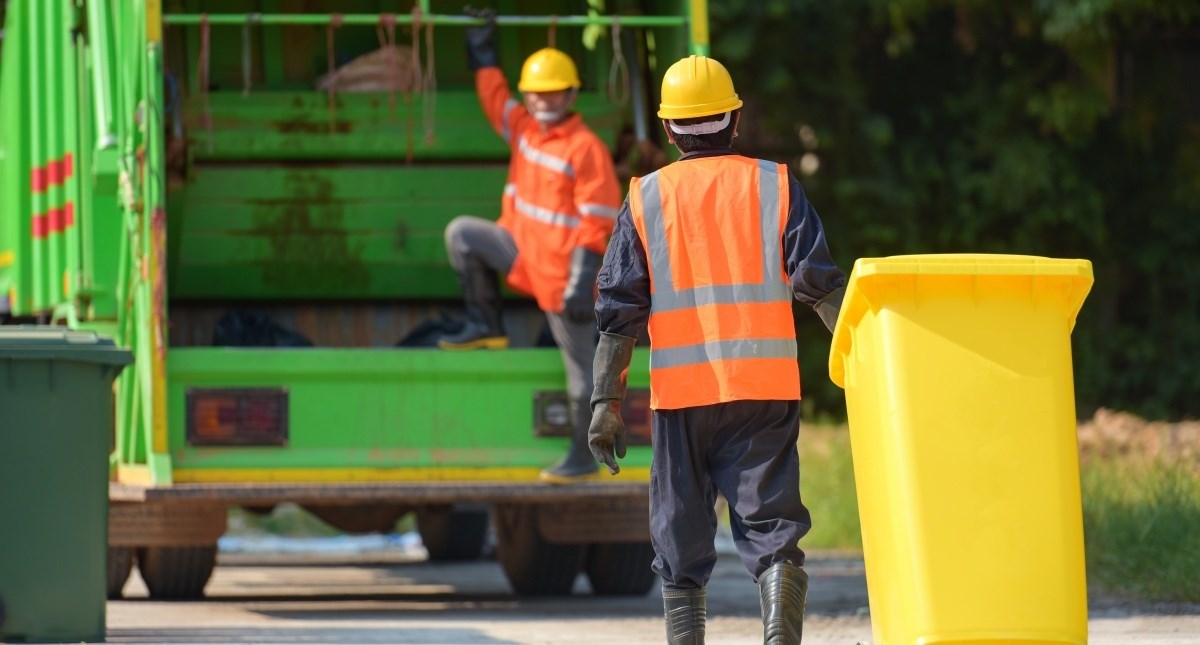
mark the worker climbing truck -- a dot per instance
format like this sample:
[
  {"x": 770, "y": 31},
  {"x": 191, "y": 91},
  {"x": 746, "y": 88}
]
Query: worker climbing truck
[{"x": 253, "y": 200}]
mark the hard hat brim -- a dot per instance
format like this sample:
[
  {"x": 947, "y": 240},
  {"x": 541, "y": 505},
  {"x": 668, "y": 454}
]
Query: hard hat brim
[
  {"x": 697, "y": 111},
  {"x": 534, "y": 86}
]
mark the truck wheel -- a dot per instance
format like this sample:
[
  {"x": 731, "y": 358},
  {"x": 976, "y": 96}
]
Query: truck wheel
[
  {"x": 120, "y": 563},
  {"x": 176, "y": 572},
  {"x": 453, "y": 533},
  {"x": 533, "y": 565},
  {"x": 620, "y": 569}
]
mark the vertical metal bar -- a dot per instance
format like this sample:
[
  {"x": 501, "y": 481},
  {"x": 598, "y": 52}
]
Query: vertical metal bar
[
  {"x": 698, "y": 18},
  {"x": 71, "y": 211},
  {"x": 155, "y": 232},
  {"x": 154, "y": 21},
  {"x": 15, "y": 200},
  {"x": 37, "y": 133},
  {"x": 128, "y": 49},
  {"x": 100, "y": 38},
  {"x": 84, "y": 138},
  {"x": 130, "y": 414},
  {"x": 54, "y": 153},
  {"x": 273, "y": 49}
]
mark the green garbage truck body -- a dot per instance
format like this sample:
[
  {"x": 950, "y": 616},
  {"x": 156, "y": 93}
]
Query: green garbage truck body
[{"x": 253, "y": 199}]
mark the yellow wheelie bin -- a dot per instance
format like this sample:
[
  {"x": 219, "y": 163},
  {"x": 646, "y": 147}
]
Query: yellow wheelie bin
[{"x": 961, "y": 403}]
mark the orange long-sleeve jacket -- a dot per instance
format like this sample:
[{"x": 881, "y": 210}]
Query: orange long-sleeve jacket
[{"x": 562, "y": 191}]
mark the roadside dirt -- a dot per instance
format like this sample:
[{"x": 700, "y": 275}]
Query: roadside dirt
[{"x": 1120, "y": 434}]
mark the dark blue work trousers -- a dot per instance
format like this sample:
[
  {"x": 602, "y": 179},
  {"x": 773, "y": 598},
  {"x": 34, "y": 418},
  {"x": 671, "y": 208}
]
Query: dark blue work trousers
[{"x": 746, "y": 450}]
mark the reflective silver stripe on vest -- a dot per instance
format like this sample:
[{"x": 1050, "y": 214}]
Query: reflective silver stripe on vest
[
  {"x": 544, "y": 159},
  {"x": 667, "y": 298},
  {"x": 505, "y": 131},
  {"x": 772, "y": 236},
  {"x": 598, "y": 210},
  {"x": 544, "y": 214},
  {"x": 719, "y": 350}
]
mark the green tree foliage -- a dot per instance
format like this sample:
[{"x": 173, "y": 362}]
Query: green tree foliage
[{"x": 1066, "y": 128}]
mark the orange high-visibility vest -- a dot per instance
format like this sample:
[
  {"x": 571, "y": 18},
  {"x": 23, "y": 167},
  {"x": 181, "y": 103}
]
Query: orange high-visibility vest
[
  {"x": 562, "y": 192},
  {"x": 720, "y": 303}
]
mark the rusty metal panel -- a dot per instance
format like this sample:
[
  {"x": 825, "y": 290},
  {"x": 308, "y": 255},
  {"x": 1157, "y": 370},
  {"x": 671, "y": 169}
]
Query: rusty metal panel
[{"x": 164, "y": 524}]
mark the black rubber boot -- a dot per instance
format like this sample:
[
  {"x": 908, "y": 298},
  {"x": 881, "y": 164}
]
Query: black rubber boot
[
  {"x": 578, "y": 463},
  {"x": 782, "y": 591},
  {"x": 685, "y": 610},
  {"x": 481, "y": 300}
]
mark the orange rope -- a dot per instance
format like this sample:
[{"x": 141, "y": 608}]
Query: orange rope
[
  {"x": 429, "y": 92},
  {"x": 335, "y": 21},
  {"x": 386, "y": 31},
  {"x": 203, "y": 80}
]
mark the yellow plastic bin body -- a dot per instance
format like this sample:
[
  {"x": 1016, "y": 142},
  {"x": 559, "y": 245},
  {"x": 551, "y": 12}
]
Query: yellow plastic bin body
[{"x": 960, "y": 396}]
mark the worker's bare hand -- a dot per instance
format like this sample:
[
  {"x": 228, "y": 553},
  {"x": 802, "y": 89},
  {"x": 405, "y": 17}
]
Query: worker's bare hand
[{"x": 606, "y": 434}]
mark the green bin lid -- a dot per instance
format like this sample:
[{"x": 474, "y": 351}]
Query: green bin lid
[{"x": 26, "y": 342}]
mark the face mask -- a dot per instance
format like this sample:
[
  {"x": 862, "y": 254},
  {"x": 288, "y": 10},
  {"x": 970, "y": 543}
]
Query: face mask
[{"x": 549, "y": 117}]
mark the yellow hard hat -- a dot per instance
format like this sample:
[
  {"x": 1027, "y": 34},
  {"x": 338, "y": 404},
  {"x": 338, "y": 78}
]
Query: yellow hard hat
[
  {"x": 697, "y": 86},
  {"x": 548, "y": 70}
]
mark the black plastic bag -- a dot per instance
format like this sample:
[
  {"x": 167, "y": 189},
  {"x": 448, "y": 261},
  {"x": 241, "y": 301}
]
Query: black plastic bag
[
  {"x": 240, "y": 328},
  {"x": 429, "y": 332}
]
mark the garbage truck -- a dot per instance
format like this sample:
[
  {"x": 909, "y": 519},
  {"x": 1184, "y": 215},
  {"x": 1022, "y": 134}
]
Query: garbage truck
[{"x": 251, "y": 196}]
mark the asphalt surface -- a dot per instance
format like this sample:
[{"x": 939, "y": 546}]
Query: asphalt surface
[{"x": 339, "y": 599}]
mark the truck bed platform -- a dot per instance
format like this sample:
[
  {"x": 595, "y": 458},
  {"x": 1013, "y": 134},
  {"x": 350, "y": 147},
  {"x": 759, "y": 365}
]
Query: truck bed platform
[{"x": 259, "y": 493}]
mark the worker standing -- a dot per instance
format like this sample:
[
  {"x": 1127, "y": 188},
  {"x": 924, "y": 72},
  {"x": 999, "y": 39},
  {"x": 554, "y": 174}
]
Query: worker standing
[
  {"x": 558, "y": 209},
  {"x": 707, "y": 254}
]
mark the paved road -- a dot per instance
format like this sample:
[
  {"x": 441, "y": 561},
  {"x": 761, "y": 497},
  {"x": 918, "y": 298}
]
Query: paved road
[{"x": 259, "y": 599}]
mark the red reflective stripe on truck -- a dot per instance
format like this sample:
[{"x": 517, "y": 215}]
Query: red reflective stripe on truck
[
  {"x": 37, "y": 179},
  {"x": 52, "y": 174},
  {"x": 55, "y": 220}
]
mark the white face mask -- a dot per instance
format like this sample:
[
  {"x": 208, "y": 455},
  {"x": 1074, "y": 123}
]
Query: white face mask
[
  {"x": 549, "y": 117},
  {"x": 546, "y": 115}
]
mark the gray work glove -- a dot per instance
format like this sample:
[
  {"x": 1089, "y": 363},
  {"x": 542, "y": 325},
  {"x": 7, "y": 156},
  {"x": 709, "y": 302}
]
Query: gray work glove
[
  {"x": 829, "y": 307},
  {"x": 606, "y": 434},
  {"x": 481, "y": 40},
  {"x": 579, "y": 303}
]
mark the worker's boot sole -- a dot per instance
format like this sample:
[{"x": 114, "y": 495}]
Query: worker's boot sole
[{"x": 490, "y": 342}]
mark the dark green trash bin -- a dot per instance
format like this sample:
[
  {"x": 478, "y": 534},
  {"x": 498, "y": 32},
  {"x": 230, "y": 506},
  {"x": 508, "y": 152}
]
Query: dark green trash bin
[{"x": 56, "y": 425}]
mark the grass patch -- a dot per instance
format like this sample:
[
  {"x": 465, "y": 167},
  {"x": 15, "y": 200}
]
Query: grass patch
[
  {"x": 827, "y": 486},
  {"x": 1142, "y": 528},
  {"x": 285, "y": 520},
  {"x": 293, "y": 521},
  {"x": 1141, "y": 515}
]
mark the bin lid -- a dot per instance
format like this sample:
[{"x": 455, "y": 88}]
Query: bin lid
[
  {"x": 29, "y": 342},
  {"x": 868, "y": 270}
]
